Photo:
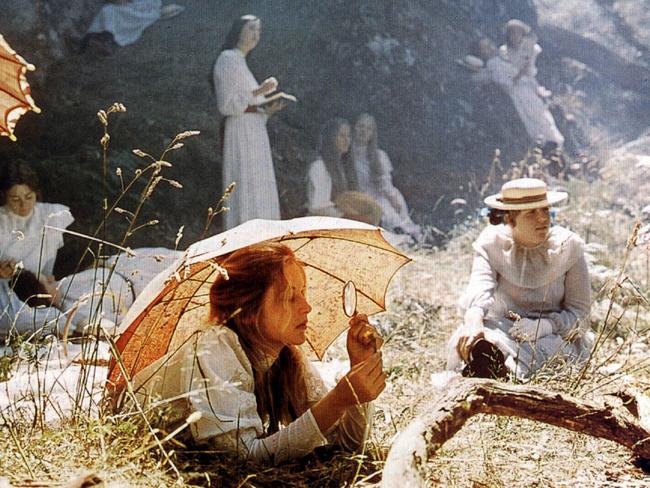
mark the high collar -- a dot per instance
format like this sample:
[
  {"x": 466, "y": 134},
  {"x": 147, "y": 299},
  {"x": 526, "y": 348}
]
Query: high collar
[{"x": 529, "y": 267}]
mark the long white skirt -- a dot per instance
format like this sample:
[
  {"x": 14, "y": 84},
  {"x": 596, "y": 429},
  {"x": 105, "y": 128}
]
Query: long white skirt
[{"x": 247, "y": 161}]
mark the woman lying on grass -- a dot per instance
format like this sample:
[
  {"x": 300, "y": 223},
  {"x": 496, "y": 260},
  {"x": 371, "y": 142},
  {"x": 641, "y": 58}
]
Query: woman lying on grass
[
  {"x": 529, "y": 290},
  {"x": 256, "y": 394},
  {"x": 31, "y": 303}
]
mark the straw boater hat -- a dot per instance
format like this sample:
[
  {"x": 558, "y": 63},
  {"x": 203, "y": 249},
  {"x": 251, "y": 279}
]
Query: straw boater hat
[{"x": 524, "y": 194}]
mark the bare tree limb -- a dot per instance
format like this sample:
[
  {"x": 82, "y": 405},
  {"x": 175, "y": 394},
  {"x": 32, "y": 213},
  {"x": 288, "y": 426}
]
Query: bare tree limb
[{"x": 464, "y": 398}]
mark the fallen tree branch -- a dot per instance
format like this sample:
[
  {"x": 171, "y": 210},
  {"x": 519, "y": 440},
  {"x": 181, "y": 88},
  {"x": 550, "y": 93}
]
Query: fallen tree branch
[{"x": 464, "y": 398}]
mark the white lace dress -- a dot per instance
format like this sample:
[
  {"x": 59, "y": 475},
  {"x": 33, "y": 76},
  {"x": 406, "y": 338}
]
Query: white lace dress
[
  {"x": 212, "y": 375},
  {"x": 549, "y": 281}
]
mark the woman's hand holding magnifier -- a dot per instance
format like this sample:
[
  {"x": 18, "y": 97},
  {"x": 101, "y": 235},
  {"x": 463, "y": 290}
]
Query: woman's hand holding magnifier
[{"x": 363, "y": 339}]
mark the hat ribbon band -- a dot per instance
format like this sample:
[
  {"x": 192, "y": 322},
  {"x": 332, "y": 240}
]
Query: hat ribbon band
[{"x": 531, "y": 199}]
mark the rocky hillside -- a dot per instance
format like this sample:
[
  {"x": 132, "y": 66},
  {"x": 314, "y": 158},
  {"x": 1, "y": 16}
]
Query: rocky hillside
[{"x": 396, "y": 60}]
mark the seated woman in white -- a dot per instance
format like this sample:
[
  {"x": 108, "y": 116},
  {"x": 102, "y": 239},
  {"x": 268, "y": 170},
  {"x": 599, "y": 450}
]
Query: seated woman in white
[
  {"x": 24, "y": 236},
  {"x": 529, "y": 290},
  {"x": 332, "y": 187},
  {"x": 521, "y": 51},
  {"x": 126, "y": 20},
  {"x": 33, "y": 304},
  {"x": 533, "y": 112},
  {"x": 257, "y": 396},
  {"x": 374, "y": 173}
]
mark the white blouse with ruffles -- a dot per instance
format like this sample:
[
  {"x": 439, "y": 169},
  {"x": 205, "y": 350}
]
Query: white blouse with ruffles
[
  {"x": 211, "y": 374},
  {"x": 26, "y": 239},
  {"x": 549, "y": 281}
]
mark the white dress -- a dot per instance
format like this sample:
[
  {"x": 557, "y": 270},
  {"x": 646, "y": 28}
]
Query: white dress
[
  {"x": 533, "y": 112},
  {"x": 319, "y": 191},
  {"x": 126, "y": 22},
  {"x": 212, "y": 375},
  {"x": 25, "y": 238},
  {"x": 246, "y": 149},
  {"x": 549, "y": 281},
  {"x": 395, "y": 212},
  {"x": 96, "y": 294}
]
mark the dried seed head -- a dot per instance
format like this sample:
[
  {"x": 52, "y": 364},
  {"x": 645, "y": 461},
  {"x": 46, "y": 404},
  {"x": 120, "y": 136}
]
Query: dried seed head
[
  {"x": 178, "y": 145},
  {"x": 631, "y": 242},
  {"x": 152, "y": 186},
  {"x": 116, "y": 107},
  {"x": 105, "y": 140},
  {"x": 139, "y": 153},
  {"x": 118, "y": 171},
  {"x": 166, "y": 164},
  {"x": 179, "y": 235},
  {"x": 186, "y": 134},
  {"x": 101, "y": 115},
  {"x": 175, "y": 183}
]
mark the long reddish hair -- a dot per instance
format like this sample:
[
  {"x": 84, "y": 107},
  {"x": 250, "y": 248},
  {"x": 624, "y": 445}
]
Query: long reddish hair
[{"x": 236, "y": 303}]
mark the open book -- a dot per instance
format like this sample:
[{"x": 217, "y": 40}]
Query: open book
[{"x": 278, "y": 97}]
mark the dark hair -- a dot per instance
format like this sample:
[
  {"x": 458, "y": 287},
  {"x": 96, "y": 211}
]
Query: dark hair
[
  {"x": 18, "y": 173},
  {"x": 339, "y": 167},
  {"x": 232, "y": 38},
  {"x": 497, "y": 216},
  {"x": 235, "y": 302},
  {"x": 26, "y": 286}
]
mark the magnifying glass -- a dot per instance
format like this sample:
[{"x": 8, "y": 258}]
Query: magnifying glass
[{"x": 349, "y": 299}]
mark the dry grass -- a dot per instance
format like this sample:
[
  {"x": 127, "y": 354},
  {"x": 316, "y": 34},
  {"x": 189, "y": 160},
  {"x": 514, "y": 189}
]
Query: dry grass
[{"x": 487, "y": 452}]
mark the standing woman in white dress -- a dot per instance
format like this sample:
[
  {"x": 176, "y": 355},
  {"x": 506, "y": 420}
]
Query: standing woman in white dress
[
  {"x": 23, "y": 236},
  {"x": 374, "y": 176},
  {"x": 246, "y": 149}
]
